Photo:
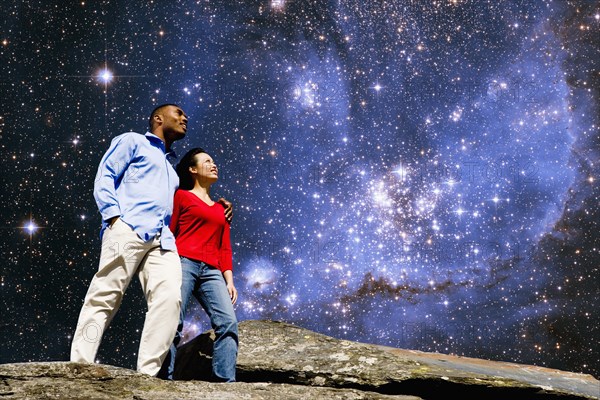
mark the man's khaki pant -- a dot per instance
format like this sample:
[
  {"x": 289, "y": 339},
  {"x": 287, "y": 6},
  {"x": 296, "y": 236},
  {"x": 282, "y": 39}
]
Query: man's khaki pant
[{"x": 124, "y": 254}]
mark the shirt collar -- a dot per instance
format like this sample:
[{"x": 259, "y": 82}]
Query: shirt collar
[{"x": 153, "y": 138}]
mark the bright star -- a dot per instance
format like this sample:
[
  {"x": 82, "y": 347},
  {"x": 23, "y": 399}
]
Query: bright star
[
  {"x": 31, "y": 227},
  {"x": 277, "y": 4},
  {"x": 105, "y": 75},
  {"x": 402, "y": 171}
]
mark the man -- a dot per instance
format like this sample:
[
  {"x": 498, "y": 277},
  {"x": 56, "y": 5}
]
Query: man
[{"x": 134, "y": 190}]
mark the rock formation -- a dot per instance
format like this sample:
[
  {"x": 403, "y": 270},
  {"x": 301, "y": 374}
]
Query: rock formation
[{"x": 282, "y": 361}]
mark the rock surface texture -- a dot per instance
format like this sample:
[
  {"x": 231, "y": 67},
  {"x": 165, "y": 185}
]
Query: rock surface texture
[
  {"x": 283, "y": 353},
  {"x": 64, "y": 380},
  {"x": 282, "y": 361}
]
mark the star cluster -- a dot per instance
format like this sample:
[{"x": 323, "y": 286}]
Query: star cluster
[{"x": 419, "y": 174}]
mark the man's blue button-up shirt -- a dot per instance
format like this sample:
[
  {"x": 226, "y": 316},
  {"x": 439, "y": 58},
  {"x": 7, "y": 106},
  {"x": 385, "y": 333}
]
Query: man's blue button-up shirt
[{"x": 136, "y": 182}]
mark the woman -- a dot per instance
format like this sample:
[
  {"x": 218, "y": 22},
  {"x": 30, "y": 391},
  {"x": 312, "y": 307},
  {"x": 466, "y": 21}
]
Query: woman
[{"x": 202, "y": 236}]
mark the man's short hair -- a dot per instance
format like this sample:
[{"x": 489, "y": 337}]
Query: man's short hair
[{"x": 156, "y": 111}]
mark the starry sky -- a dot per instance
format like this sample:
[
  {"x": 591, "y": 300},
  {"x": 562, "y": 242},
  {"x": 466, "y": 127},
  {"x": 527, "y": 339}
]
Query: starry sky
[{"x": 418, "y": 174}]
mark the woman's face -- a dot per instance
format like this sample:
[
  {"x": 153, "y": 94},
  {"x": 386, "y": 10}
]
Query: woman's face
[{"x": 205, "y": 168}]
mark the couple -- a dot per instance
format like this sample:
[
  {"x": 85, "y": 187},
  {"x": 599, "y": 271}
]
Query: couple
[{"x": 143, "y": 215}]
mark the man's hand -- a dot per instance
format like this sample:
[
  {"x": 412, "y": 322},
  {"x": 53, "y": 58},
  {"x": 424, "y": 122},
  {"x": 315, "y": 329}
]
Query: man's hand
[{"x": 228, "y": 209}]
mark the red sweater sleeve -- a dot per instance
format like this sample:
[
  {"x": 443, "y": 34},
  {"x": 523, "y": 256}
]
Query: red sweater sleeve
[
  {"x": 174, "y": 225},
  {"x": 226, "y": 255}
]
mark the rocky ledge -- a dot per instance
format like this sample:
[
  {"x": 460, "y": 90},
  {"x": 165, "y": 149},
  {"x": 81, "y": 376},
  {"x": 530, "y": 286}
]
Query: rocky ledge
[{"x": 282, "y": 361}]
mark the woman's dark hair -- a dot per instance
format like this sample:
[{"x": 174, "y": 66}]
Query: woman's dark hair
[{"x": 183, "y": 168}]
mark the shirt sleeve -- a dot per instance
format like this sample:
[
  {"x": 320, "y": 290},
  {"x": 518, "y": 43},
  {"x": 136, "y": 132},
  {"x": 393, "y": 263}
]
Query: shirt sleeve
[
  {"x": 174, "y": 224},
  {"x": 111, "y": 171},
  {"x": 226, "y": 256}
]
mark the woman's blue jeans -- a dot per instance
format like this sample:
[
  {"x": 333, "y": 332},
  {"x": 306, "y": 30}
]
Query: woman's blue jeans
[{"x": 208, "y": 286}]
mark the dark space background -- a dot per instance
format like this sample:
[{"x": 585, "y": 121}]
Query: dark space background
[{"x": 418, "y": 174}]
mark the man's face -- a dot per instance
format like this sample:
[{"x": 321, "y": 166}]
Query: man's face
[{"x": 174, "y": 122}]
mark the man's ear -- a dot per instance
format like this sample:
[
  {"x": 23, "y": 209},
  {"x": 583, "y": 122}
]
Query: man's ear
[{"x": 158, "y": 119}]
